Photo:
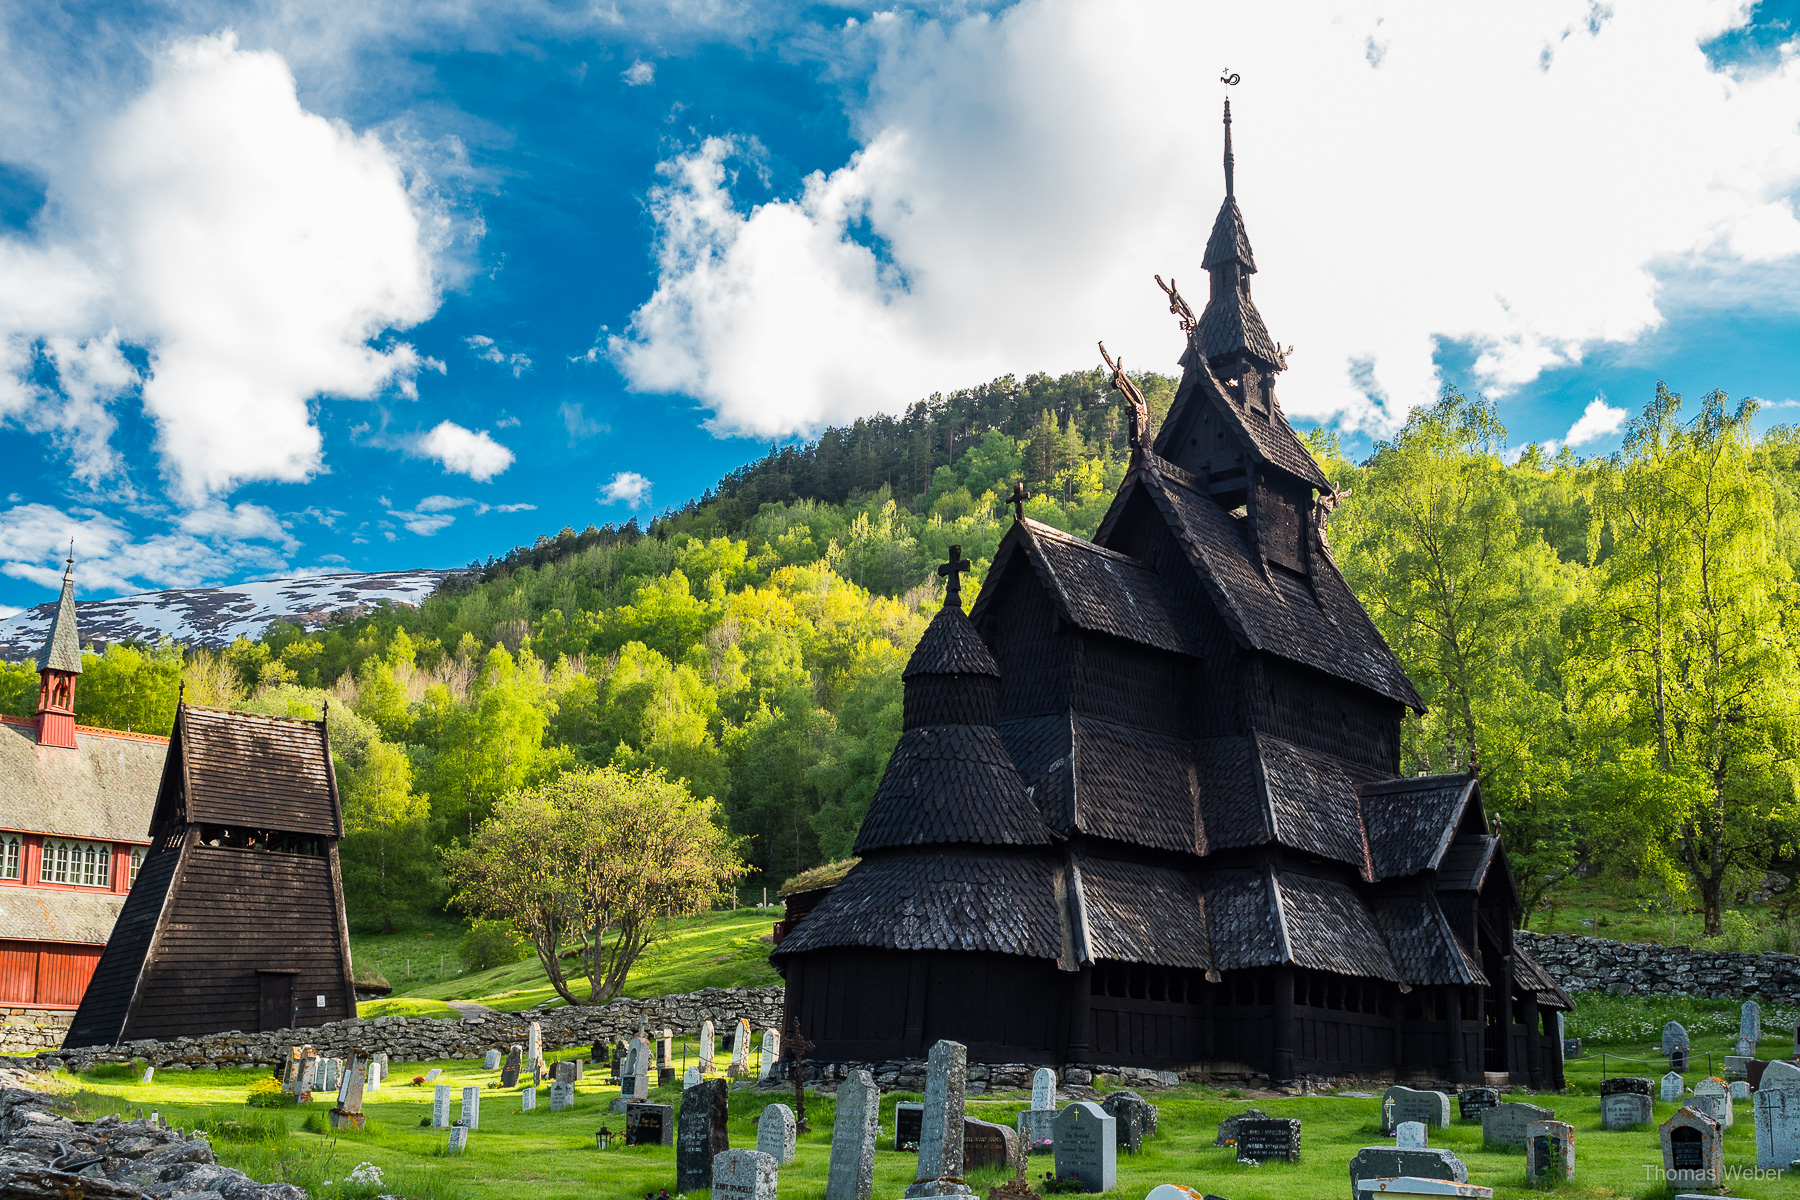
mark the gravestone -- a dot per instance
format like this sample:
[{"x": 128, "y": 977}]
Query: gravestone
[
  {"x": 641, "y": 1065},
  {"x": 1777, "y": 1118},
  {"x": 528, "y": 1100},
  {"x": 433, "y": 1074},
  {"x": 775, "y": 1133},
  {"x": 1034, "y": 1122},
  {"x": 854, "y": 1132},
  {"x": 1693, "y": 1146},
  {"x": 1273, "y": 1139},
  {"x": 1407, "y": 1185},
  {"x": 701, "y": 1137},
  {"x": 665, "y": 1050},
  {"x": 743, "y": 1175},
  {"x": 330, "y": 1081},
  {"x": 1086, "y": 1146},
  {"x": 986, "y": 1144},
  {"x": 562, "y": 1098},
  {"x": 509, "y": 1074},
  {"x": 771, "y": 1053},
  {"x": 1411, "y": 1135},
  {"x": 1410, "y": 1104},
  {"x": 534, "y": 1043},
  {"x": 616, "y": 1065},
  {"x": 1750, "y": 1024},
  {"x": 563, "y": 1072},
  {"x": 149, "y": 1074},
  {"x": 1674, "y": 1037},
  {"x": 492, "y": 1061},
  {"x": 1737, "y": 1066},
  {"x": 740, "y": 1048},
  {"x": 1740, "y": 1090},
  {"x": 1672, "y": 1087},
  {"x": 689, "y": 1078},
  {"x": 349, "y": 1111},
  {"x": 469, "y": 1115},
  {"x": 377, "y": 1073},
  {"x": 941, "y": 1124},
  {"x": 1714, "y": 1099},
  {"x": 440, "y": 1106},
  {"x": 1471, "y": 1103},
  {"x": 459, "y": 1140},
  {"x": 1550, "y": 1151},
  {"x": 1626, "y": 1110},
  {"x": 381, "y": 1060},
  {"x": 1388, "y": 1162},
  {"x": 1571, "y": 1048},
  {"x": 1779, "y": 1075},
  {"x": 649, "y": 1125},
  {"x": 706, "y": 1046},
  {"x": 1131, "y": 1119},
  {"x": 597, "y": 1052},
  {"x": 909, "y": 1118},
  {"x": 580, "y": 1068},
  {"x": 1505, "y": 1124},
  {"x": 1228, "y": 1127}
]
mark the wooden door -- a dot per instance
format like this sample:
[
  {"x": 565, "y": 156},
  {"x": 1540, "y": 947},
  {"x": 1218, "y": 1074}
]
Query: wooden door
[{"x": 276, "y": 1009}]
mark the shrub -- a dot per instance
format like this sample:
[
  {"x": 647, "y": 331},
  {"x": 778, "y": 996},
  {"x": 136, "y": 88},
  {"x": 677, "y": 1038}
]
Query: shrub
[
  {"x": 491, "y": 944},
  {"x": 266, "y": 1093}
]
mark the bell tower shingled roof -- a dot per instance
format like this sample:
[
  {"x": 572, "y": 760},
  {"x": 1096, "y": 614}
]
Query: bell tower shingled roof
[
  {"x": 62, "y": 645},
  {"x": 58, "y": 663}
]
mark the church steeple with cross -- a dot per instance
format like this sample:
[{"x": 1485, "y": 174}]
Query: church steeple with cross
[{"x": 951, "y": 574}]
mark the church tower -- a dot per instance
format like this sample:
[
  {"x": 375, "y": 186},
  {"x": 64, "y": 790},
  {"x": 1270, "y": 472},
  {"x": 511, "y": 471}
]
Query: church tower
[{"x": 59, "y": 663}]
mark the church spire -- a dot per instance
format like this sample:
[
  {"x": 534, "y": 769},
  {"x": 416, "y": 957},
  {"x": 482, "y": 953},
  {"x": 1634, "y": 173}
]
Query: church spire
[
  {"x": 59, "y": 662},
  {"x": 1230, "y": 172},
  {"x": 1230, "y": 326}
]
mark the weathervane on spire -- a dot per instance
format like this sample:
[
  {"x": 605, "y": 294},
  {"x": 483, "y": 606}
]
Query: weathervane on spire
[{"x": 1229, "y": 79}]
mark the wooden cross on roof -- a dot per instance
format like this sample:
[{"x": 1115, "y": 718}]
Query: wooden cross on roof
[
  {"x": 1018, "y": 498},
  {"x": 951, "y": 573}
]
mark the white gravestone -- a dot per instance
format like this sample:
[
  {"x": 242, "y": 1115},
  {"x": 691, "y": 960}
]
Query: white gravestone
[
  {"x": 1672, "y": 1087},
  {"x": 381, "y": 1060},
  {"x": 1740, "y": 1090},
  {"x": 433, "y": 1074},
  {"x": 528, "y": 1099},
  {"x": 743, "y": 1175},
  {"x": 854, "y": 1132},
  {"x": 534, "y": 1044},
  {"x": 775, "y": 1133},
  {"x": 690, "y": 1077},
  {"x": 1410, "y": 1104},
  {"x": 459, "y": 1139},
  {"x": 771, "y": 1053},
  {"x": 740, "y": 1048},
  {"x": 440, "y": 1106},
  {"x": 1034, "y": 1122},
  {"x": 1411, "y": 1135},
  {"x": 706, "y": 1047},
  {"x": 1087, "y": 1146},
  {"x": 1714, "y": 1099},
  {"x": 1777, "y": 1119},
  {"x": 492, "y": 1061},
  {"x": 470, "y": 1114},
  {"x": 149, "y": 1074},
  {"x": 1750, "y": 1022},
  {"x": 941, "y": 1124}
]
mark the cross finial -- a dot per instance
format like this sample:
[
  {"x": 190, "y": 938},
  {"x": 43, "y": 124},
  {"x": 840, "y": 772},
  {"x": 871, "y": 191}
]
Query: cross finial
[
  {"x": 951, "y": 572},
  {"x": 1018, "y": 498}
]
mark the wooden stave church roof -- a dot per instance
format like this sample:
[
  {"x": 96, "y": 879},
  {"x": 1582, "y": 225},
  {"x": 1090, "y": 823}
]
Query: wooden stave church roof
[{"x": 247, "y": 770}]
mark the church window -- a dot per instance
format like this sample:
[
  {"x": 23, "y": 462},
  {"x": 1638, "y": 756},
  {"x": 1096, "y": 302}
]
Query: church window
[
  {"x": 85, "y": 864},
  {"x": 137, "y": 860},
  {"x": 9, "y": 856}
]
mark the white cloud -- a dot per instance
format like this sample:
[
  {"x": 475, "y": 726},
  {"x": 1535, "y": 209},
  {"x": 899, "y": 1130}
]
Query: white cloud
[
  {"x": 627, "y": 487},
  {"x": 488, "y": 350},
  {"x": 1017, "y": 187},
  {"x": 427, "y": 524},
  {"x": 466, "y": 452},
  {"x": 513, "y": 508},
  {"x": 442, "y": 503},
  {"x": 208, "y": 545},
  {"x": 7, "y": 610},
  {"x": 638, "y": 73},
  {"x": 259, "y": 253},
  {"x": 1597, "y": 422}
]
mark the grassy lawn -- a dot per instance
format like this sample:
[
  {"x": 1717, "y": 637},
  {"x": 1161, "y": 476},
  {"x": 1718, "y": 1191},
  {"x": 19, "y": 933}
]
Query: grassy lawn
[
  {"x": 551, "y": 1156},
  {"x": 1597, "y": 907},
  {"x": 717, "y": 949},
  {"x": 421, "y": 951}
]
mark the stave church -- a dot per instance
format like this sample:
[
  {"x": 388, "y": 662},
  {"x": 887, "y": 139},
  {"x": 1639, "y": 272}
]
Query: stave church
[{"x": 1146, "y": 809}]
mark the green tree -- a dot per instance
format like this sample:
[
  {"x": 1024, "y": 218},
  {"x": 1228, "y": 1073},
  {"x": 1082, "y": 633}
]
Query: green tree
[
  {"x": 387, "y": 854},
  {"x": 131, "y": 688}
]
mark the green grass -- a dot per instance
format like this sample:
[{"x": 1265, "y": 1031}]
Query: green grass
[
  {"x": 717, "y": 949},
  {"x": 551, "y": 1156},
  {"x": 421, "y": 950},
  {"x": 407, "y": 1006},
  {"x": 1623, "y": 1022},
  {"x": 1612, "y": 912}
]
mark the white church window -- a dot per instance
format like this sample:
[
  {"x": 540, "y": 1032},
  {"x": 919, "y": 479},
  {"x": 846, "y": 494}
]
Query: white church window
[
  {"x": 86, "y": 864},
  {"x": 137, "y": 860},
  {"x": 9, "y": 856}
]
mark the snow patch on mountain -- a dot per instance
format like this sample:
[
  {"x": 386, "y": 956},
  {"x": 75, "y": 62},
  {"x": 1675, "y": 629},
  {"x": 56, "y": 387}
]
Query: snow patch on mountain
[{"x": 216, "y": 617}]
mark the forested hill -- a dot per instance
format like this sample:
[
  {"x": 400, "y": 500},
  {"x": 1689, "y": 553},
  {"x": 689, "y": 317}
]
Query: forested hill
[{"x": 1616, "y": 641}]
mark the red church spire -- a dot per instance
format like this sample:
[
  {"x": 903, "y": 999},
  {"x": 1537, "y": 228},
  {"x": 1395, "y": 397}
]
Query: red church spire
[{"x": 59, "y": 662}]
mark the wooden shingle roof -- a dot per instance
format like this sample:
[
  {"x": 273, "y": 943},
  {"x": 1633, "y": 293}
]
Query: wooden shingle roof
[
  {"x": 950, "y": 646},
  {"x": 1144, "y": 914},
  {"x": 53, "y": 915},
  {"x": 1109, "y": 780},
  {"x": 1423, "y": 944},
  {"x": 62, "y": 645},
  {"x": 1412, "y": 822},
  {"x": 947, "y": 784},
  {"x": 251, "y": 771},
  {"x": 1529, "y": 976},
  {"x": 1272, "y": 441}
]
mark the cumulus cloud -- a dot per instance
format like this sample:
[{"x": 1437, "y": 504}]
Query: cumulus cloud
[
  {"x": 201, "y": 547},
  {"x": 1496, "y": 178},
  {"x": 1597, "y": 422},
  {"x": 465, "y": 451},
  {"x": 258, "y": 253},
  {"x": 442, "y": 503},
  {"x": 639, "y": 73},
  {"x": 627, "y": 487}
]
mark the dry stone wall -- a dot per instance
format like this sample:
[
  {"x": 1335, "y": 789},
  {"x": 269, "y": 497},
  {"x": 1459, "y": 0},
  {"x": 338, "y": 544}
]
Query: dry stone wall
[
  {"x": 1586, "y": 964},
  {"x": 420, "y": 1039}
]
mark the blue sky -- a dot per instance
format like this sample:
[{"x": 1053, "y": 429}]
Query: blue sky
[{"x": 373, "y": 286}]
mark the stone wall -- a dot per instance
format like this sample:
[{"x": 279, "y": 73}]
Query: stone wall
[
  {"x": 24, "y": 1030},
  {"x": 1586, "y": 964},
  {"x": 421, "y": 1039}
]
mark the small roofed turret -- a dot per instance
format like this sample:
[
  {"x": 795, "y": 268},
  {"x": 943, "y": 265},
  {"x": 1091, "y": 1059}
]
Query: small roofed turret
[
  {"x": 1230, "y": 325},
  {"x": 950, "y": 779},
  {"x": 58, "y": 663}
]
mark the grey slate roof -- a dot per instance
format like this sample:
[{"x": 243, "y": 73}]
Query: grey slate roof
[
  {"x": 950, "y": 646},
  {"x": 1424, "y": 946},
  {"x": 1094, "y": 588},
  {"x": 1324, "y": 628},
  {"x": 51, "y": 915},
  {"x": 950, "y": 900},
  {"x": 950, "y": 783},
  {"x": 104, "y": 789},
  {"x": 1411, "y": 822},
  {"x": 62, "y": 646}
]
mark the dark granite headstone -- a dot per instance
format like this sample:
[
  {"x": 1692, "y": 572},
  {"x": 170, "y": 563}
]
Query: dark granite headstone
[
  {"x": 909, "y": 1120},
  {"x": 509, "y": 1074},
  {"x": 986, "y": 1144},
  {"x": 1273, "y": 1139},
  {"x": 649, "y": 1125},
  {"x": 1228, "y": 1127},
  {"x": 1116, "y": 1100},
  {"x": 1387, "y": 1162},
  {"x": 701, "y": 1136},
  {"x": 598, "y": 1053},
  {"x": 1627, "y": 1083},
  {"x": 1571, "y": 1048},
  {"x": 1471, "y": 1103}
]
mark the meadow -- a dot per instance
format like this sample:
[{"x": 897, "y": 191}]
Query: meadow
[{"x": 552, "y": 1156}]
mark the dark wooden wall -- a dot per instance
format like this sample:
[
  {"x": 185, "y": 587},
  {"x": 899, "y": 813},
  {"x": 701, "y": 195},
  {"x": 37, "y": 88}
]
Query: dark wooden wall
[{"x": 101, "y": 1016}]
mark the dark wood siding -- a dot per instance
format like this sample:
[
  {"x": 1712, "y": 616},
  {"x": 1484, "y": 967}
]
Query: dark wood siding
[
  {"x": 235, "y": 911},
  {"x": 1031, "y": 656},
  {"x": 101, "y": 1016}
]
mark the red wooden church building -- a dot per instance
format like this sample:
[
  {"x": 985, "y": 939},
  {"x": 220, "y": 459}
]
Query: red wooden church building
[
  {"x": 74, "y": 814},
  {"x": 1146, "y": 808}
]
